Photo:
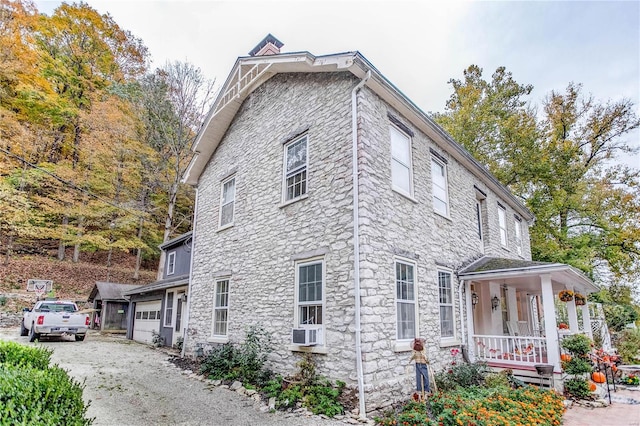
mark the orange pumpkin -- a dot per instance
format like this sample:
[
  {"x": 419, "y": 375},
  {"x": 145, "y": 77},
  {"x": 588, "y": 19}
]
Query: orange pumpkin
[
  {"x": 565, "y": 357},
  {"x": 598, "y": 377},
  {"x": 592, "y": 386}
]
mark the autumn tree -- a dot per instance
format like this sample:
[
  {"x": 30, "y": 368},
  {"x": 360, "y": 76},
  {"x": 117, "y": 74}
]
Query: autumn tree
[{"x": 563, "y": 165}]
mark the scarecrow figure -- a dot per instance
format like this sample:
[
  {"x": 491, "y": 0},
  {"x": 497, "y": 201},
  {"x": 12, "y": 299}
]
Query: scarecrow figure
[{"x": 422, "y": 369}]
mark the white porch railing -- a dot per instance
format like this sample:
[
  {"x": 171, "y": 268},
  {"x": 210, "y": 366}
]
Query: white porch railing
[{"x": 522, "y": 350}]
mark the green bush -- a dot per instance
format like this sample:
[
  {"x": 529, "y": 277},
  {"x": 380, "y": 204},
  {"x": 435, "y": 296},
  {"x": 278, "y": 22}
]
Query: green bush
[
  {"x": 322, "y": 398},
  {"x": 243, "y": 362},
  {"x": 628, "y": 346},
  {"x": 17, "y": 355},
  {"x": 497, "y": 380},
  {"x": 32, "y": 396},
  {"x": 577, "y": 366},
  {"x": 577, "y": 387},
  {"x": 461, "y": 375},
  {"x": 578, "y": 345},
  {"x": 289, "y": 397}
]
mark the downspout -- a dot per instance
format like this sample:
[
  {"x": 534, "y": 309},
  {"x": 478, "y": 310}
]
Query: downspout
[
  {"x": 193, "y": 245},
  {"x": 462, "y": 316},
  {"x": 356, "y": 239}
]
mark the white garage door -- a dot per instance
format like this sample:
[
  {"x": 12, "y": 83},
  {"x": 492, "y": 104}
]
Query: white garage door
[{"x": 146, "y": 320}]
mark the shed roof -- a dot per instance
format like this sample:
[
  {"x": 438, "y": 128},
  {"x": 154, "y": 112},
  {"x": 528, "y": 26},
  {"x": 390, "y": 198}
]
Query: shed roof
[
  {"x": 249, "y": 73},
  {"x": 160, "y": 285},
  {"x": 110, "y": 291}
]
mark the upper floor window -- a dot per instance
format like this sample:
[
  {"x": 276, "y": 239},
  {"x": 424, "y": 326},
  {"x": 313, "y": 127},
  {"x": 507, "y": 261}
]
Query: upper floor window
[
  {"x": 227, "y": 201},
  {"x": 171, "y": 263},
  {"x": 440, "y": 192},
  {"x": 502, "y": 222},
  {"x": 295, "y": 168},
  {"x": 401, "y": 169},
  {"x": 221, "y": 308},
  {"x": 445, "y": 291},
  {"x": 310, "y": 289},
  {"x": 405, "y": 301},
  {"x": 518, "y": 236}
]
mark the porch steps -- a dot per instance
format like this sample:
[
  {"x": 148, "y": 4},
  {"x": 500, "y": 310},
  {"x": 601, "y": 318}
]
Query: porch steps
[{"x": 527, "y": 374}]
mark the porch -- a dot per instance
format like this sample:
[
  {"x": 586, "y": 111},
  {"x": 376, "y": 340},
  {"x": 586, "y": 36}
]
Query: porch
[{"x": 514, "y": 314}]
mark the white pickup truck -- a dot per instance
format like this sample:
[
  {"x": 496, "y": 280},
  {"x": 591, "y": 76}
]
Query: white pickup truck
[{"x": 54, "y": 318}]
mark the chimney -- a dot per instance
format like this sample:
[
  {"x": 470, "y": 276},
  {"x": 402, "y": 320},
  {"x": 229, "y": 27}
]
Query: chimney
[{"x": 268, "y": 46}]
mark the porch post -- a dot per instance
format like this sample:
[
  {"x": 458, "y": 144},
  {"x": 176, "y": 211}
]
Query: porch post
[
  {"x": 550, "y": 322},
  {"x": 512, "y": 304},
  {"x": 471, "y": 348},
  {"x": 586, "y": 320},
  {"x": 573, "y": 316}
]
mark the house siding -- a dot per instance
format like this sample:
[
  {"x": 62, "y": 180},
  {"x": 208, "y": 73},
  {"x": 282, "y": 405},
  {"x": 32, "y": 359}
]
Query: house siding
[{"x": 258, "y": 252}]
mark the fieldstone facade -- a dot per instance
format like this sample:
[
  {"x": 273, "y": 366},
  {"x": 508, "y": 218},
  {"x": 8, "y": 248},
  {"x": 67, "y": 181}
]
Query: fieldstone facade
[{"x": 258, "y": 253}]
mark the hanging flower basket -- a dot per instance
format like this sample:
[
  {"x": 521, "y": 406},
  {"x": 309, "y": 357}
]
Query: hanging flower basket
[
  {"x": 580, "y": 299},
  {"x": 566, "y": 295}
]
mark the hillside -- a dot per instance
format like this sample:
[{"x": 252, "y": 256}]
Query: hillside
[{"x": 72, "y": 281}]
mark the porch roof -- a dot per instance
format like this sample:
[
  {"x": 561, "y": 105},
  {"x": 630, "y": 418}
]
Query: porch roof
[
  {"x": 180, "y": 280},
  {"x": 520, "y": 271}
]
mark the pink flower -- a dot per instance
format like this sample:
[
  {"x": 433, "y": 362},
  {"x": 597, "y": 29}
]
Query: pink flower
[{"x": 455, "y": 352}]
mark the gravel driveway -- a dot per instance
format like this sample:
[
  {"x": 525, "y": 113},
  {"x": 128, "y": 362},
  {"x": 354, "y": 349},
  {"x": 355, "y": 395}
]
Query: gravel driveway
[{"x": 132, "y": 384}]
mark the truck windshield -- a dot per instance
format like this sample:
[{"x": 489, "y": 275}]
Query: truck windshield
[{"x": 57, "y": 308}]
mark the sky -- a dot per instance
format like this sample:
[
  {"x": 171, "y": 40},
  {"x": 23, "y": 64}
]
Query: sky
[{"x": 417, "y": 45}]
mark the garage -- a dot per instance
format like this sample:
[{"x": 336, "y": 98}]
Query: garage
[{"x": 146, "y": 321}]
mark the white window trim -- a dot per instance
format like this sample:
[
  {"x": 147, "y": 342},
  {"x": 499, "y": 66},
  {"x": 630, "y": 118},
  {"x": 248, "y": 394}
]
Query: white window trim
[
  {"x": 169, "y": 323},
  {"x": 171, "y": 262},
  {"x": 400, "y": 343},
  {"x": 284, "y": 199},
  {"x": 296, "y": 310},
  {"x": 233, "y": 202},
  {"x": 446, "y": 187},
  {"x": 409, "y": 166},
  {"x": 452, "y": 304},
  {"x": 502, "y": 228},
  {"x": 479, "y": 229},
  {"x": 518, "y": 236},
  {"x": 220, "y": 337}
]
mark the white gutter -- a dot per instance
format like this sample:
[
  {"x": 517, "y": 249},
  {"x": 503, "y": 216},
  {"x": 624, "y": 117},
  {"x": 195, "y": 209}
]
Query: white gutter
[
  {"x": 356, "y": 239},
  {"x": 462, "y": 329},
  {"x": 193, "y": 252}
]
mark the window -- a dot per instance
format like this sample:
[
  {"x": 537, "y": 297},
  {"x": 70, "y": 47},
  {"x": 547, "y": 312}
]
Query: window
[
  {"x": 221, "y": 308},
  {"x": 227, "y": 201},
  {"x": 502, "y": 222},
  {"x": 171, "y": 263},
  {"x": 518, "y": 232},
  {"x": 440, "y": 193},
  {"x": 479, "y": 224},
  {"x": 168, "y": 309},
  {"x": 405, "y": 301},
  {"x": 310, "y": 289},
  {"x": 401, "y": 162},
  {"x": 295, "y": 169},
  {"x": 445, "y": 291}
]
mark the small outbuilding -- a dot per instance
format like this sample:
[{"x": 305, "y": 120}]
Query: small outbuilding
[{"x": 110, "y": 305}]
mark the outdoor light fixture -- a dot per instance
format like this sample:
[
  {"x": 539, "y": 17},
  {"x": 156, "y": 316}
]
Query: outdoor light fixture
[
  {"x": 495, "y": 302},
  {"x": 474, "y": 299}
]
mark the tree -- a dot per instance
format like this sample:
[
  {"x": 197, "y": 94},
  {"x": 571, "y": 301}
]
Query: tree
[
  {"x": 562, "y": 166},
  {"x": 173, "y": 105}
]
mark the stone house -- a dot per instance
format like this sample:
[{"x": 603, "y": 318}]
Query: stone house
[
  {"x": 160, "y": 307},
  {"x": 276, "y": 244}
]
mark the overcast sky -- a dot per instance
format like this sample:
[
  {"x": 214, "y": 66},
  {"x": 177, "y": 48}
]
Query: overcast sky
[{"x": 417, "y": 45}]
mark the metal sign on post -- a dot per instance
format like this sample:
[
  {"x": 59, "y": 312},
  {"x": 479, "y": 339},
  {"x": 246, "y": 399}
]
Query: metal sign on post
[{"x": 39, "y": 287}]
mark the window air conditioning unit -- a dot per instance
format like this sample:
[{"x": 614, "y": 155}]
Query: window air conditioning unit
[{"x": 306, "y": 336}]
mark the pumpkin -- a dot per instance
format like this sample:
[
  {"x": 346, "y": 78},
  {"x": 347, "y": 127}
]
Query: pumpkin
[
  {"x": 565, "y": 357},
  {"x": 592, "y": 386},
  {"x": 598, "y": 377}
]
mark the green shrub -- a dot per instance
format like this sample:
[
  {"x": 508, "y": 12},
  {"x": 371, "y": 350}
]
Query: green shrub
[
  {"x": 577, "y": 366},
  {"x": 578, "y": 345},
  {"x": 243, "y": 362},
  {"x": 577, "y": 387},
  {"x": 40, "y": 397},
  {"x": 3, "y": 300},
  {"x": 628, "y": 346},
  {"x": 497, "y": 380},
  {"x": 273, "y": 387},
  {"x": 461, "y": 375},
  {"x": 289, "y": 397},
  {"x": 412, "y": 413},
  {"x": 323, "y": 398},
  {"x": 15, "y": 354}
]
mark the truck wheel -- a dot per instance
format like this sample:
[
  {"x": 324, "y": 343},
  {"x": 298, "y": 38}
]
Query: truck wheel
[
  {"x": 23, "y": 329},
  {"x": 80, "y": 337},
  {"x": 33, "y": 336}
]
